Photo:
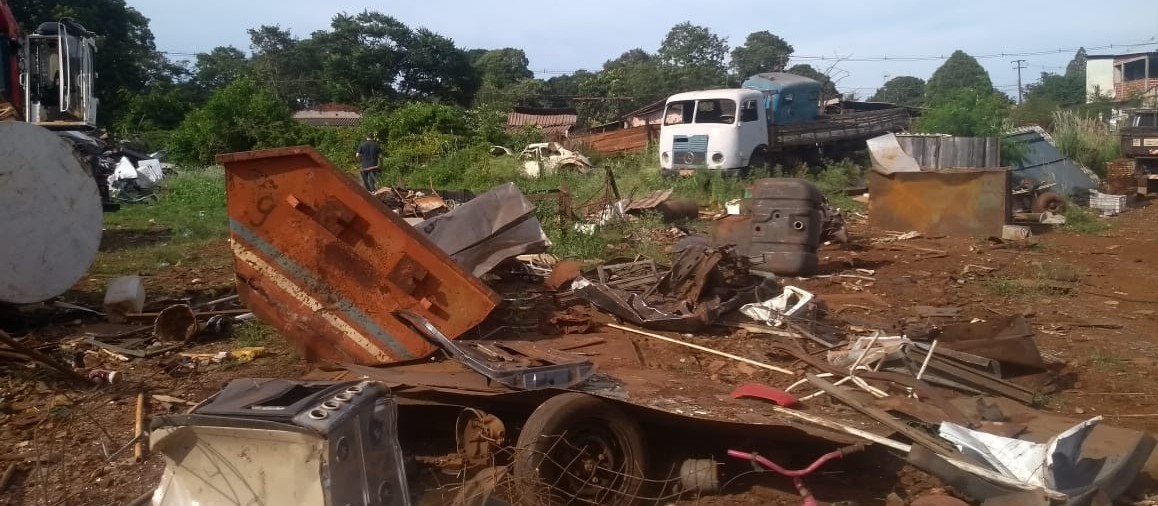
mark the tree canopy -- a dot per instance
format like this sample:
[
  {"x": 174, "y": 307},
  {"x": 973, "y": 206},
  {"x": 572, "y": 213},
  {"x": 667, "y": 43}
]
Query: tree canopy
[
  {"x": 503, "y": 67},
  {"x": 960, "y": 71},
  {"x": 966, "y": 112},
  {"x": 761, "y": 52},
  {"x": 699, "y": 54},
  {"x": 829, "y": 88},
  {"x": 908, "y": 91}
]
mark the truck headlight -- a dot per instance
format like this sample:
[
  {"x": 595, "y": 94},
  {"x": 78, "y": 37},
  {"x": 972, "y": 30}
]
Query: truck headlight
[
  {"x": 666, "y": 157},
  {"x": 718, "y": 157}
]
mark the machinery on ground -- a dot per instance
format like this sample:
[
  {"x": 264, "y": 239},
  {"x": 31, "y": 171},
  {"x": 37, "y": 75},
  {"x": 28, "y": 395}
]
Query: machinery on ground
[{"x": 50, "y": 192}]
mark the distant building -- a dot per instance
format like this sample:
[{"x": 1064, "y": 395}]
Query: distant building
[
  {"x": 1122, "y": 77},
  {"x": 555, "y": 123},
  {"x": 329, "y": 115},
  {"x": 651, "y": 114}
]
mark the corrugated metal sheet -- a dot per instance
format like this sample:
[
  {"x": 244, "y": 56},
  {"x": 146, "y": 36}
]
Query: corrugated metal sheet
[
  {"x": 1044, "y": 163},
  {"x": 934, "y": 152},
  {"x": 556, "y": 123},
  {"x": 328, "y": 118},
  {"x": 542, "y": 118}
]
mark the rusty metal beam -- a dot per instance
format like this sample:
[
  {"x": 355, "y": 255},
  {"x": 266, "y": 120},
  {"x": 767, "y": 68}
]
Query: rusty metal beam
[{"x": 323, "y": 261}]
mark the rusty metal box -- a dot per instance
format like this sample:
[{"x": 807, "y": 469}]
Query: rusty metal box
[
  {"x": 952, "y": 202},
  {"x": 328, "y": 265}
]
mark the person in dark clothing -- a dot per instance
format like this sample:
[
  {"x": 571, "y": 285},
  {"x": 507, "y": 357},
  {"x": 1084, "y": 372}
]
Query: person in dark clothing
[{"x": 369, "y": 155}]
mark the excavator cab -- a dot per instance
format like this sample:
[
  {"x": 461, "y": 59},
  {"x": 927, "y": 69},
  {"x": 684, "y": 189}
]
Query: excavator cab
[{"x": 58, "y": 76}]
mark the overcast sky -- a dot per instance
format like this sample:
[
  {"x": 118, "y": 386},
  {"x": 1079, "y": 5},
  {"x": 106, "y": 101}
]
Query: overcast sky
[{"x": 564, "y": 36}]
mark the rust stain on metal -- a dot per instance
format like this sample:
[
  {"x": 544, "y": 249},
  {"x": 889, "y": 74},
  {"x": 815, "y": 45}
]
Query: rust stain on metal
[
  {"x": 959, "y": 202},
  {"x": 327, "y": 264}
]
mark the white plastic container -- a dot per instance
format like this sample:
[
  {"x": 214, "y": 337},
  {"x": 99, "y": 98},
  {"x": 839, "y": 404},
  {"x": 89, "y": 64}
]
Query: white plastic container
[{"x": 125, "y": 295}]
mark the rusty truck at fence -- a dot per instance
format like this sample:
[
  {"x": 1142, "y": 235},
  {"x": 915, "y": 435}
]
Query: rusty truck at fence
[
  {"x": 774, "y": 118},
  {"x": 1140, "y": 147}
]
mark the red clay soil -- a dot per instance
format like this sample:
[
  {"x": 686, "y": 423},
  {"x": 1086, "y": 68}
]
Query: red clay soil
[{"x": 1092, "y": 300}]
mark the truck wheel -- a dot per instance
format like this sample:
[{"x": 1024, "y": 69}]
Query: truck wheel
[
  {"x": 583, "y": 449},
  {"x": 758, "y": 163},
  {"x": 1049, "y": 202}
]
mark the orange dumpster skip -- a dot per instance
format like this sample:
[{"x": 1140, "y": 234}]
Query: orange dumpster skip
[{"x": 325, "y": 263}]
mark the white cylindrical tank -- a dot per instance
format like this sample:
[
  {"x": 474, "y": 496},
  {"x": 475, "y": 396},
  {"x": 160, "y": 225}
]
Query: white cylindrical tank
[{"x": 50, "y": 215}]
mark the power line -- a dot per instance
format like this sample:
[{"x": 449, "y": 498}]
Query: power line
[{"x": 915, "y": 58}]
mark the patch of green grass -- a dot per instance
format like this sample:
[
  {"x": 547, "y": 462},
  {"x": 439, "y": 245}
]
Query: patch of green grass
[
  {"x": 834, "y": 179},
  {"x": 1059, "y": 271},
  {"x": 1042, "y": 401},
  {"x": 193, "y": 208},
  {"x": 1084, "y": 221},
  {"x": 1103, "y": 360},
  {"x": 141, "y": 238},
  {"x": 254, "y": 334},
  {"x": 1004, "y": 286}
]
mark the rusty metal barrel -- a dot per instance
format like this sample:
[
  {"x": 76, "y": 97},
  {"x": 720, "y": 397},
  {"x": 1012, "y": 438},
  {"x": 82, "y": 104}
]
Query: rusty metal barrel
[{"x": 786, "y": 224}]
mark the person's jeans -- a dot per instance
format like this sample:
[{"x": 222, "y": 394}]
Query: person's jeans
[{"x": 370, "y": 179}]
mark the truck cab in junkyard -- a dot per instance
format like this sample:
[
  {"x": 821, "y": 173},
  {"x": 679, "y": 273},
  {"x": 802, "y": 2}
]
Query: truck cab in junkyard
[{"x": 712, "y": 130}]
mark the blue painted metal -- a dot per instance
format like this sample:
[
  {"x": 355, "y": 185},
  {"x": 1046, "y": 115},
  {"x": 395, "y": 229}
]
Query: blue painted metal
[{"x": 788, "y": 98}]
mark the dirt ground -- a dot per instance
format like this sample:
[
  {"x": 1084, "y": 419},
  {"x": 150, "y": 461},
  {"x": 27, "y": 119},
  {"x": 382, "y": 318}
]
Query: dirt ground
[{"x": 1092, "y": 300}]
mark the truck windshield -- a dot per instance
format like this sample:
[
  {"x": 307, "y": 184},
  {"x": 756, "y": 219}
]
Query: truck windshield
[
  {"x": 716, "y": 111},
  {"x": 719, "y": 110}
]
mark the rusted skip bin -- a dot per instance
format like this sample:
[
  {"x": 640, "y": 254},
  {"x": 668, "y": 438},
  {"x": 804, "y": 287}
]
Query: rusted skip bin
[
  {"x": 327, "y": 264},
  {"x": 953, "y": 202}
]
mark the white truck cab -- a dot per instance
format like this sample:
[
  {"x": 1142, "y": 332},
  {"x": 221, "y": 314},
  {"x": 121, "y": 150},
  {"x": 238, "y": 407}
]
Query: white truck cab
[{"x": 715, "y": 130}]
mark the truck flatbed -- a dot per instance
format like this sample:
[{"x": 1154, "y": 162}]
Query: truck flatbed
[{"x": 842, "y": 127}]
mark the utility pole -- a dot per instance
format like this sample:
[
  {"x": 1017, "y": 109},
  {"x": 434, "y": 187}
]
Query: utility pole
[{"x": 1020, "y": 64}]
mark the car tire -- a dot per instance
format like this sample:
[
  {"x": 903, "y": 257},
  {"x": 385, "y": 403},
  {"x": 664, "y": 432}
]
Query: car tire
[
  {"x": 1049, "y": 202},
  {"x": 582, "y": 448}
]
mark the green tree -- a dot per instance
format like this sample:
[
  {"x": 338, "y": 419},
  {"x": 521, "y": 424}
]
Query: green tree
[
  {"x": 966, "y": 112},
  {"x": 695, "y": 55},
  {"x": 828, "y": 87},
  {"x": 762, "y": 52},
  {"x": 1077, "y": 65},
  {"x": 163, "y": 107},
  {"x": 1064, "y": 90},
  {"x": 561, "y": 90},
  {"x": 525, "y": 93},
  {"x": 628, "y": 82},
  {"x": 960, "y": 71},
  {"x": 434, "y": 69},
  {"x": 503, "y": 67},
  {"x": 288, "y": 66},
  {"x": 907, "y": 91},
  {"x": 218, "y": 68},
  {"x": 362, "y": 56},
  {"x": 127, "y": 61},
  {"x": 239, "y": 117}
]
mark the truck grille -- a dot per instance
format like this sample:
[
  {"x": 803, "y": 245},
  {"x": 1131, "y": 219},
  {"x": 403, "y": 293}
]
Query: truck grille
[{"x": 689, "y": 150}]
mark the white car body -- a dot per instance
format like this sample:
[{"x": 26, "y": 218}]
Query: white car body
[
  {"x": 546, "y": 158},
  {"x": 712, "y": 139}
]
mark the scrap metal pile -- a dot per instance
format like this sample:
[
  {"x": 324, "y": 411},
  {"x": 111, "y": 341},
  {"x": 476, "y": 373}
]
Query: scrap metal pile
[{"x": 350, "y": 283}]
